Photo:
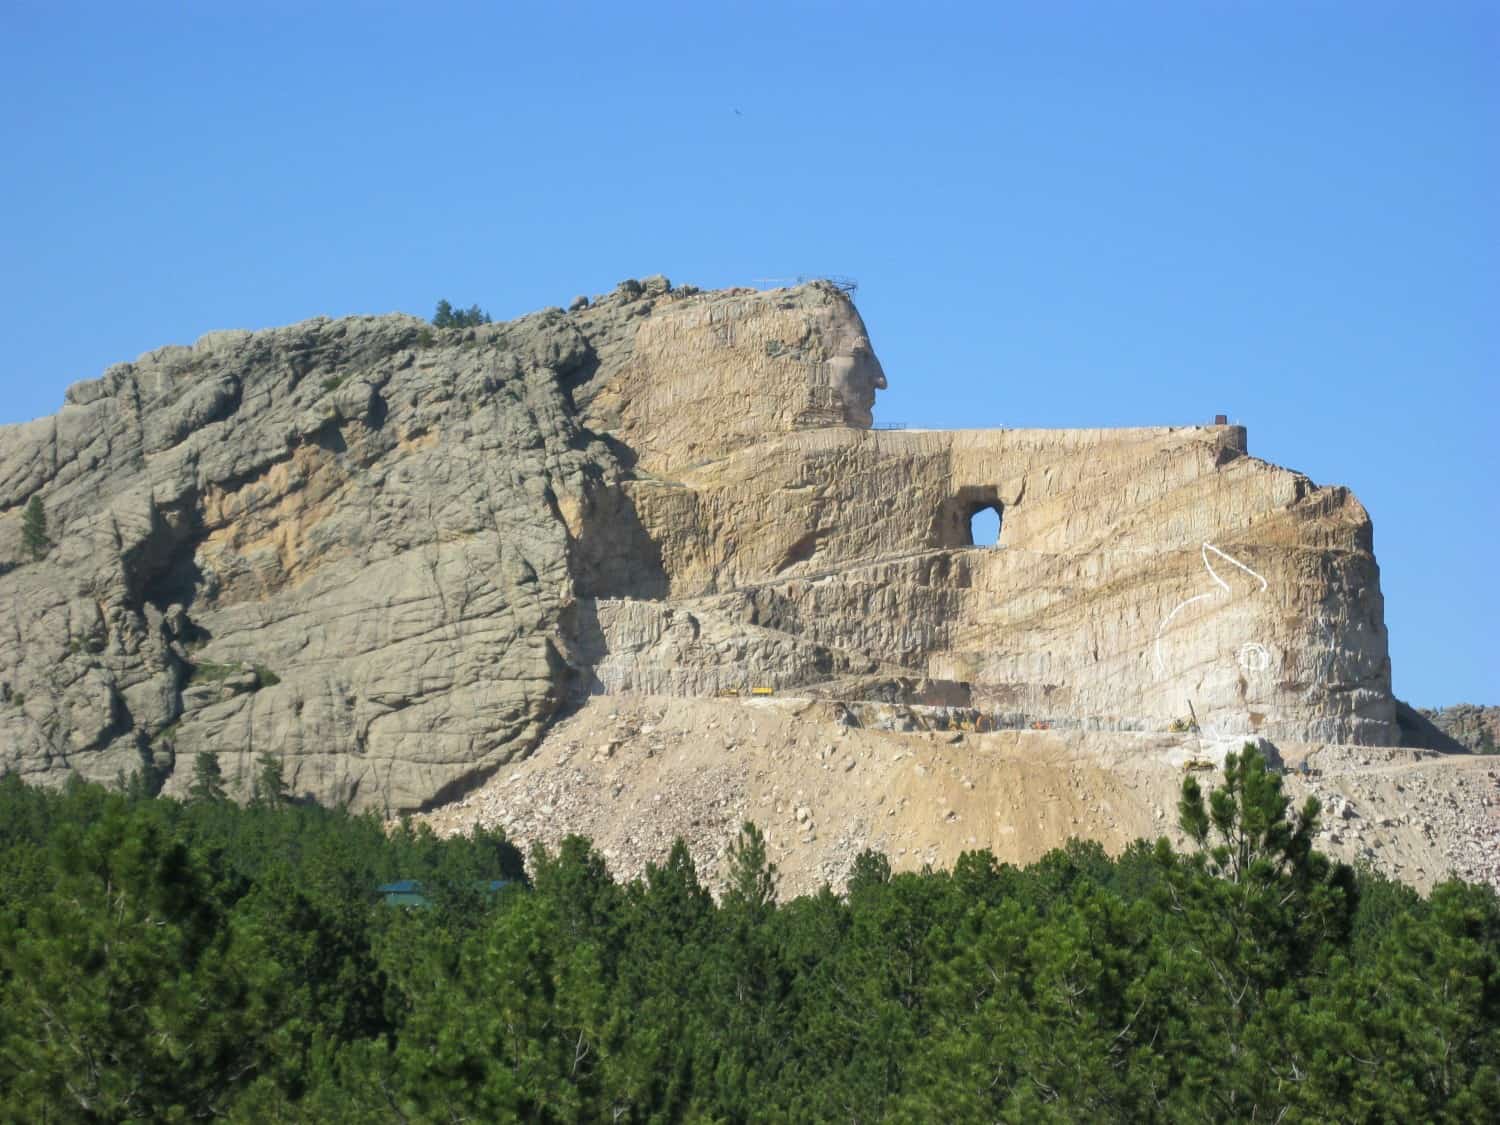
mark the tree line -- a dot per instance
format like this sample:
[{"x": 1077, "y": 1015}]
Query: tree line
[{"x": 166, "y": 960}]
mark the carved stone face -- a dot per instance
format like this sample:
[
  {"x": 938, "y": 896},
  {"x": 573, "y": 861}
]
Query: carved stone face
[{"x": 853, "y": 371}]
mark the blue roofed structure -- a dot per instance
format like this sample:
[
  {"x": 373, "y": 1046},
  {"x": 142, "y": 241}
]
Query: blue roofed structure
[{"x": 408, "y": 892}]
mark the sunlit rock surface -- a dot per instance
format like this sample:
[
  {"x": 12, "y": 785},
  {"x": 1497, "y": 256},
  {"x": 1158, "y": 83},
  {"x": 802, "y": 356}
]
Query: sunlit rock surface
[{"x": 393, "y": 554}]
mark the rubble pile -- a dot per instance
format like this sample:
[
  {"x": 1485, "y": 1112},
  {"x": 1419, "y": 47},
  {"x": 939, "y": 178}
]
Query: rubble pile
[
  {"x": 1416, "y": 815},
  {"x": 633, "y": 774}
]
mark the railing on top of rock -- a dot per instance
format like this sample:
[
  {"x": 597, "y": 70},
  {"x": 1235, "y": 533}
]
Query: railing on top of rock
[{"x": 848, "y": 286}]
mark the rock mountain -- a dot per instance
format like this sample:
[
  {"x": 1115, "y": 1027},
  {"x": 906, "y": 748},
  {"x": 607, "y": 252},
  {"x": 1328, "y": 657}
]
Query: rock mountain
[{"x": 395, "y": 555}]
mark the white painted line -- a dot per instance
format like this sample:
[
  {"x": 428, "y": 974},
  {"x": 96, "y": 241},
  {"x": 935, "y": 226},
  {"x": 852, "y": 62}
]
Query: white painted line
[
  {"x": 1161, "y": 666},
  {"x": 1162, "y": 628},
  {"x": 1207, "y": 547}
]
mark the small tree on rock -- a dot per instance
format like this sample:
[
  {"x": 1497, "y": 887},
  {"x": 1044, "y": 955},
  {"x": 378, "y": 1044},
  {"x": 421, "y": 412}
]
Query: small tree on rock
[
  {"x": 34, "y": 527},
  {"x": 269, "y": 790},
  {"x": 447, "y": 316},
  {"x": 208, "y": 779}
]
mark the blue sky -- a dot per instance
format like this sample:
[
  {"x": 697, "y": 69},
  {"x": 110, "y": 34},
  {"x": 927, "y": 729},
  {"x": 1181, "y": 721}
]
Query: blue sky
[{"x": 1058, "y": 214}]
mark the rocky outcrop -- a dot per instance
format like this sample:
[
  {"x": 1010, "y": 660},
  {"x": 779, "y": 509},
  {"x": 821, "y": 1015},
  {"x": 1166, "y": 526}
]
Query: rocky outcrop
[
  {"x": 1468, "y": 726},
  {"x": 392, "y": 554}
]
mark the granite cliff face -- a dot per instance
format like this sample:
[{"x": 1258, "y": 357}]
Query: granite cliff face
[{"x": 393, "y": 554}]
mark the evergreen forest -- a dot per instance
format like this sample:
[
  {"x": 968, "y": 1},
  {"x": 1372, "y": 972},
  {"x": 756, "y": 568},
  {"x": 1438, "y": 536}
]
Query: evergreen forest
[{"x": 165, "y": 960}]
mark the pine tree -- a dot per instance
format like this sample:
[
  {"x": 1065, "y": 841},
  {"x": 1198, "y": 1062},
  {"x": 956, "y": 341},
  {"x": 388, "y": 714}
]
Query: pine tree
[
  {"x": 208, "y": 779},
  {"x": 872, "y": 869},
  {"x": 34, "y": 527},
  {"x": 270, "y": 790},
  {"x": 447, "y": 316},
  {"x": 1252, "y": 913},
  {"x": 752, "y": 877},
  {"x": 1249, "y": 815}
]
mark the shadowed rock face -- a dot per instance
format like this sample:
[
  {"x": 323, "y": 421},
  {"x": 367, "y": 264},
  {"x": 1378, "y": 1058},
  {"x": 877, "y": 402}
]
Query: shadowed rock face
[
  {"x": 391, "y": 554},
  {"x": 1463, "y": 727}
]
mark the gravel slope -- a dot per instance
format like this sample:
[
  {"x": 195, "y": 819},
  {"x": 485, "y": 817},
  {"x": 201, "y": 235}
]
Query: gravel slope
[{"x": 634, "y": 772}]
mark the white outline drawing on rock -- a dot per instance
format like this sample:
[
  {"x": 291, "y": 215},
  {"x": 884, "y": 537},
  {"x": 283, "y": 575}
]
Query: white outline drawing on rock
[
  {"x": 1253, "y": 657},
  {"x": 1161, "y": 665}
]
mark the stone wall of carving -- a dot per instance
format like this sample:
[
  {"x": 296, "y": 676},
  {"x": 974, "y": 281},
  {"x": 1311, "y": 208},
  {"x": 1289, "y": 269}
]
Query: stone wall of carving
[{"x": 391, "y": 554}]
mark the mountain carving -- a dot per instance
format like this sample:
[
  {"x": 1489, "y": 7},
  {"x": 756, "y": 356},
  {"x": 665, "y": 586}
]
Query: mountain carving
[{"x": 395, "y": 555}]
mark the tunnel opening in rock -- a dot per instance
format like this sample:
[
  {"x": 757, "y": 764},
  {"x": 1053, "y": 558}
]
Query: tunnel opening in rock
[
  {"x": 970, "y": 518},
  {"x": 984, "y": 526}
]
